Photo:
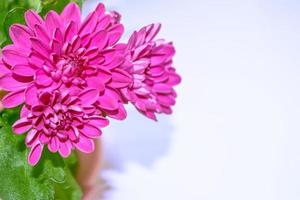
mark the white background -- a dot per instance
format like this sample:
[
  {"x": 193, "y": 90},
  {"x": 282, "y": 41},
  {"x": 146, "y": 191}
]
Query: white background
[{"x": 235, "y": 131}]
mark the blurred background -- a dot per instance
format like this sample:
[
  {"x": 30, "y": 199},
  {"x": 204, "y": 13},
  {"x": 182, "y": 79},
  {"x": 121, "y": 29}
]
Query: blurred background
[{"x": 235, "y": 132}]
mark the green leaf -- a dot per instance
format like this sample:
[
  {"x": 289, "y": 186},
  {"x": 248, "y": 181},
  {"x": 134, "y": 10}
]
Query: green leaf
[
  {"x": 50, "y": 179},
  {"x": 57, "y": 5},
  {"x": 35, "y": 4},
  {"x": 14, "y": 16}
]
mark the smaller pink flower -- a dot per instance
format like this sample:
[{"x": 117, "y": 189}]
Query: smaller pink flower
[
  {"x": 62, "y": 122},
  {"x": 150, "y": 63}
]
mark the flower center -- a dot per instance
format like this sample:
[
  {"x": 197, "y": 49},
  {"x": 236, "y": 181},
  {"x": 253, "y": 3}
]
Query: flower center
[{"x": 70, "y": 70}]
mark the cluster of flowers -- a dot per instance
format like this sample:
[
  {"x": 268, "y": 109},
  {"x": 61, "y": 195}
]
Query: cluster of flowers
[{"x": 70, "y": 75}]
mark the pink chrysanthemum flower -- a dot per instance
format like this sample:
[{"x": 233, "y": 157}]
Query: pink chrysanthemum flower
[
  {"x": 62, "y": 122},
  {"x": 64, "y": 52},
  {"x": 71, "y": 74},
  {"x": 150, "y": 63}
]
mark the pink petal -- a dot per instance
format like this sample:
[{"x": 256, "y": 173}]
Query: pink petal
[
  {"x": 53, "y": 145},
  {"x": 96, "y": 60},
  {"x": 98, "y": 121},
  {"x": 114, "y": 62},
  {"x": 108, "y": 101},
  {"x": 38, "y": 110},
  {"x": 32, "y": 18},
  {"x": 44, "y": 139},
  {"x": 150, "y": 115},
  {"x": 43, "y": 79},
  {"x": 24, "y": 111},
  {"x": 53, "y": 86},
  {"x": 141, "y": 51},
  {"x": 88, "y": 26},
  {"x": 150, "y": 105},
  {"x": 142, "y": 91},
  {"x": 152, "y": 31},
  {"x": 166, "y": 100},
  {"x": 7, "y": 82},
  {"x": 21, "y": 126},
  {"x": 58, "y": 35},
  {"x": 23, "y": 70},
  {"x": 89, "y": 109},
  {"x": 121, "y": 113},
  {"x": 3, "y": 69},
  {"x": 39, "y": 122},
  {"x": 40, "y": 47},
  {"x": 120, "y": 79},
  {"x": 53, "y": 21},
  {"x": 126, "y": 94},
  {"x": 166, "y": 110},
  {"x": 73, "y": 133},
  {"x": 95, "y": 82},
  {"x": 89, "y": 96},
  {"x": 75, "y": 43},
  {"x": 140, "y": 105},
  {"x": 132, "y": 41},
  {"x": 71, "y": 13},
  {"x": 31, "y": 95},
  {"x": 13, "y": 56},
  {"x": 45, "y": 98},
  {"x": 109, "y": 55},
  {"x": 100, "y": 9},
  {"x": 35, "y": 154},
  {"x": 64, "y": 149},
  {"x": 91, "y": 131},
  {"x": 163, "y": 78},
  {"x": 140, "y": 65},
  {"x": 165, "y": 49},
  {"x": 162, "y": 88},
  {"x": 140, "y": 40},
  {"x": 114, "y": 37},
  {"x": 75, "y": 109},
  {"x": 85, "y": 144},
  {"x": 35, "y": 60},
  {"x": 85, "y": 39},
  {"x": 13, "y": 99},
  {"x": 62, "y": 137},
  {"x": 174, "y": 79},
  {"x": 42, "y": 33},
  {"x": 104, "y": 75},
  {"x": 20, "y": 35},
  {"x": 71, "y": 31},
  {"x": 116, "y": 17},
  {"x": 92, "y": 52},
  {"x": 157, "y": 60},
  {"x": 23, "y": 78},
  {"x": 56, "y": 46},
  {"x": 31, "y": 137},
  {"x": 103, "y": 23},
  {"x": 99, "y": 40}
]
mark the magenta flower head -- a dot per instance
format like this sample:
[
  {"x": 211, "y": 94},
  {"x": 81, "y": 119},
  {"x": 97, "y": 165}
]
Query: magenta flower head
[
  {"x": 61, "y": 121},
  {"x": 150, "y": 63},
  {"x": 63, "y": 51}
]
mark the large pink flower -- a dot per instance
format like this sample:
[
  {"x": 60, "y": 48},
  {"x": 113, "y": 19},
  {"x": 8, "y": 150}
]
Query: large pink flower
[
  {"x": 64, "y": 52},
  {"x": 150, "y": 63},
  {"x": 62, "y": 122}
]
